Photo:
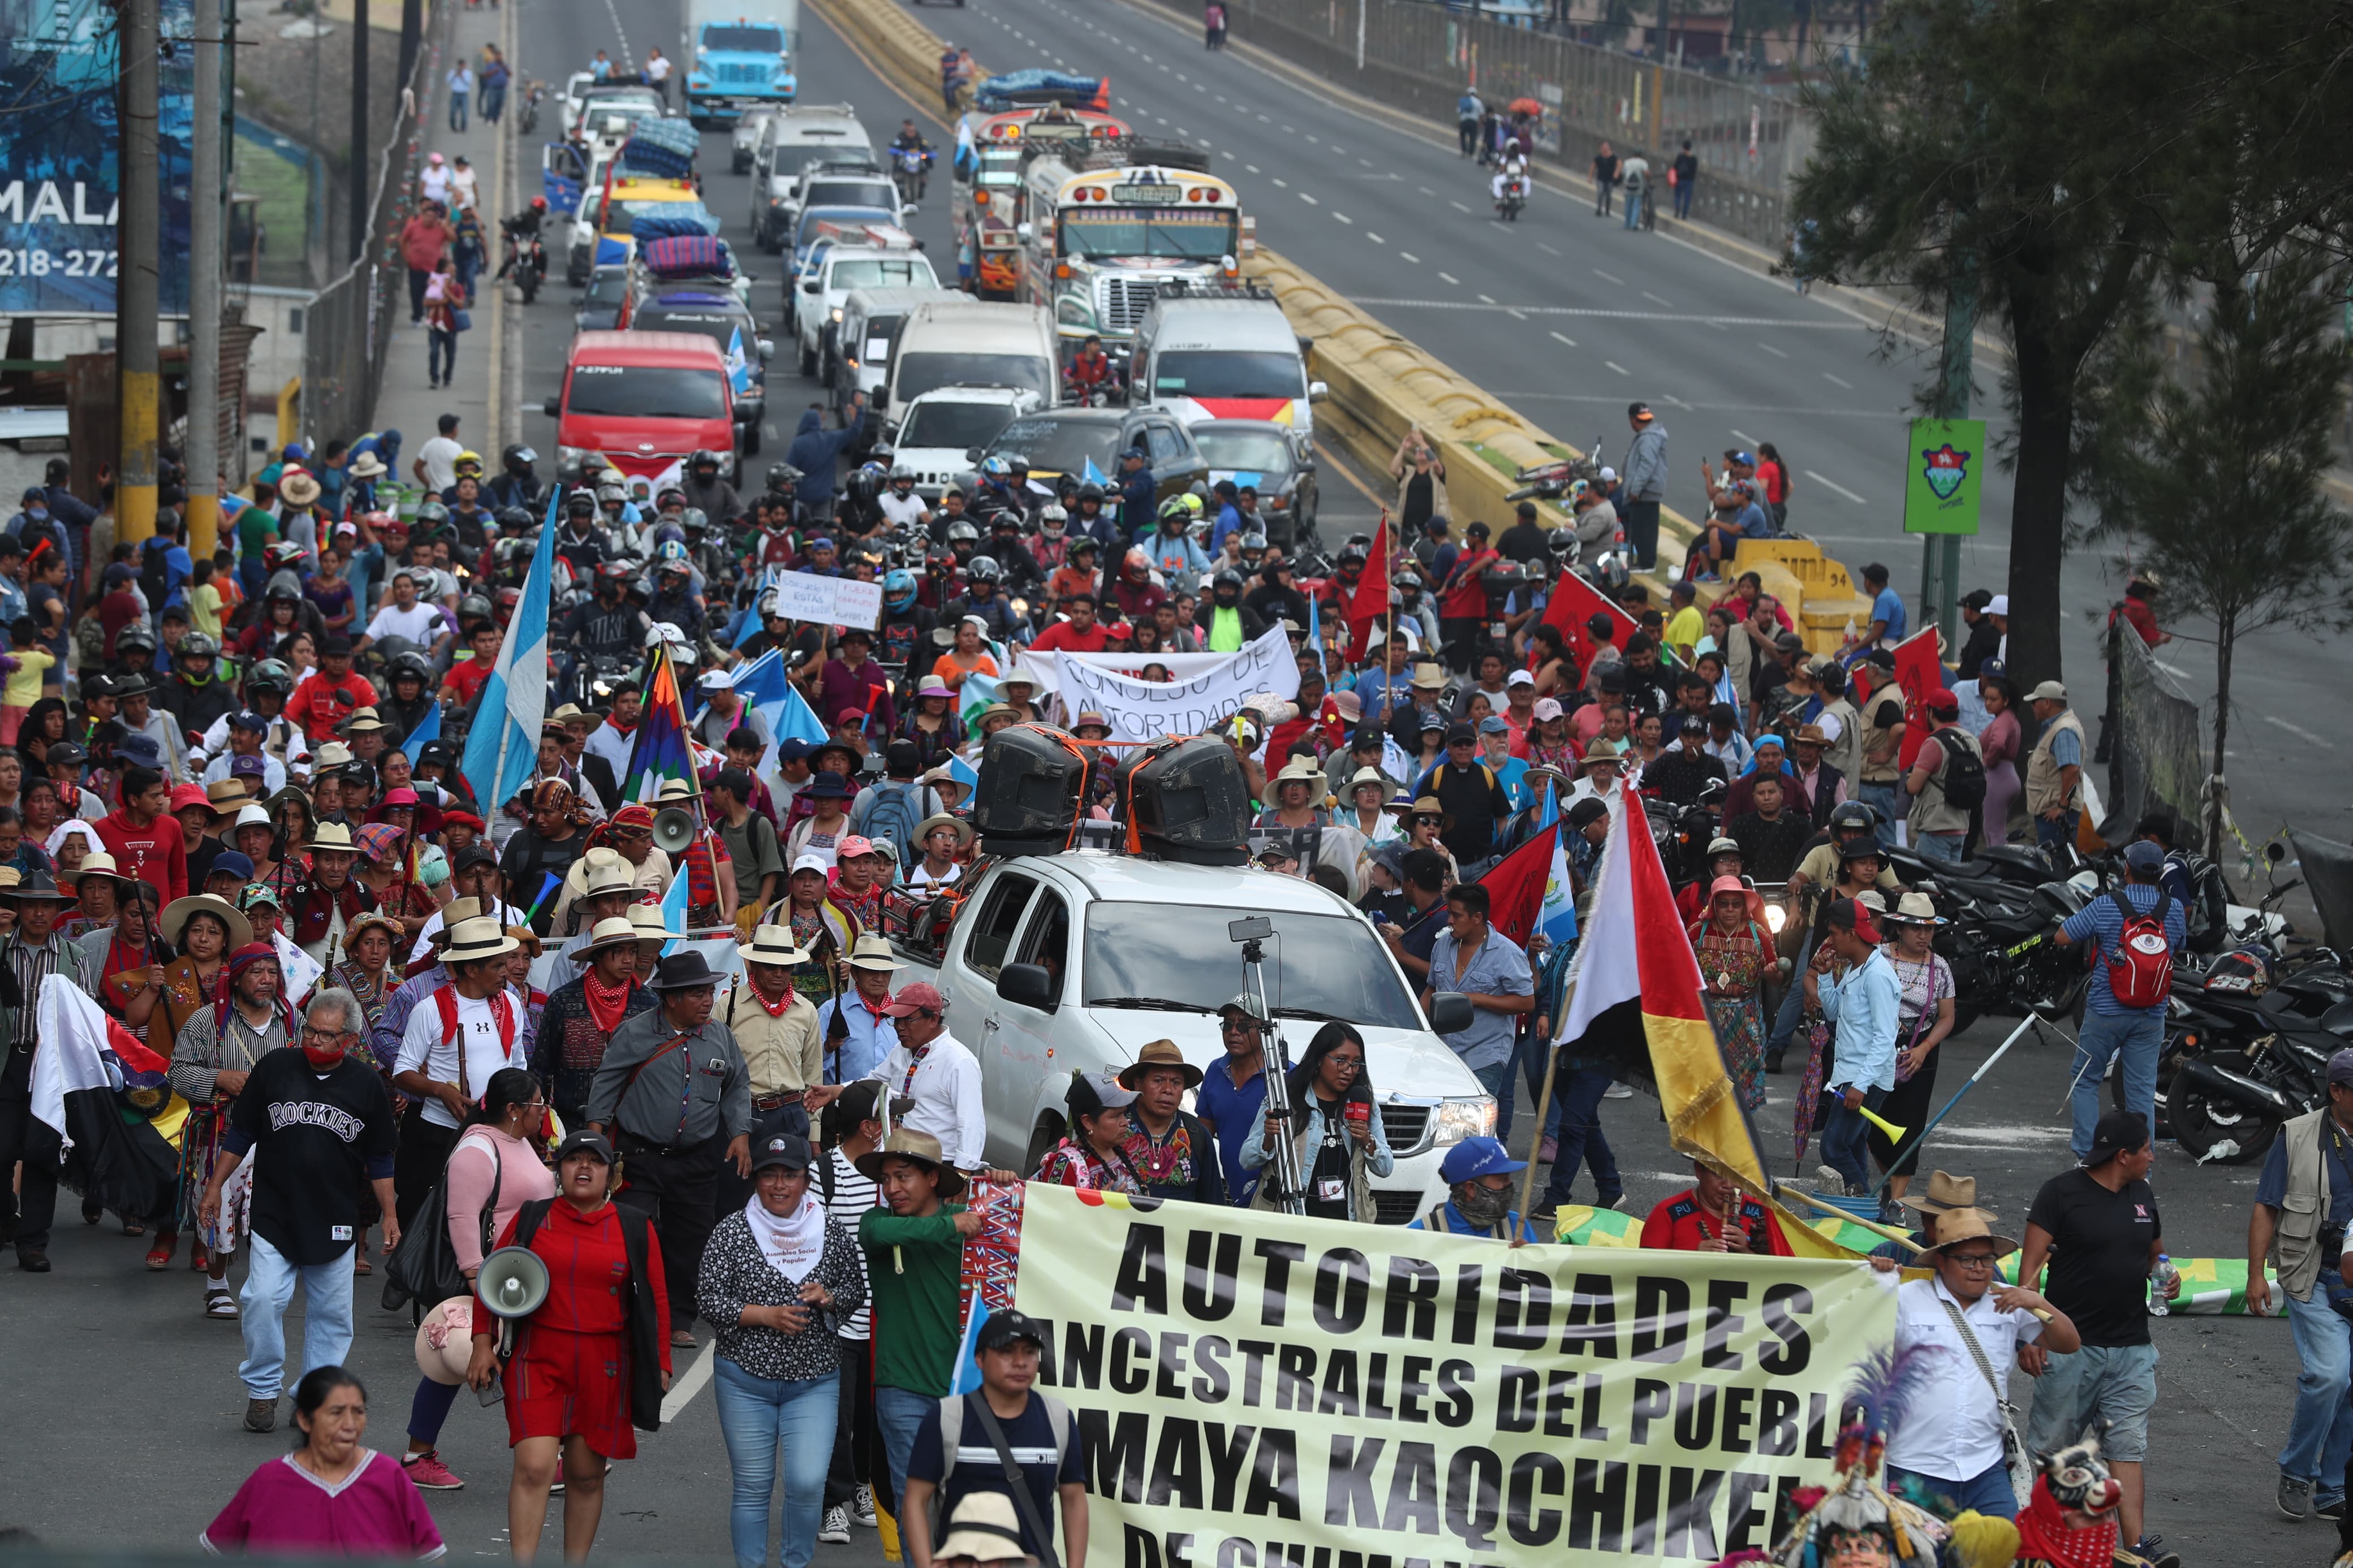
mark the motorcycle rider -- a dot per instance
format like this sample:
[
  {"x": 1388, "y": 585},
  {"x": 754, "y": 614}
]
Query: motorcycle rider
[
  {"x": 907, "y": 625},
  {"x": 408, "y": 696},
  {"x": 1511, "y": 178},
  {"x": 674, "y": 599},
  {"x": 1091, "y": 520},
  {"x": 523, "y": 226},
  {"x": 1022, "y": 573},
  {"x": 1225, "y": 623},
  {"x": 982, "y": 575},
  {"x": 517, "y": 483},
  {"x": 860, "y": 511},
  {"x": 917, "y": 168},
  {"x": 1053, "y": 539},
  {"x": 703, "y": 488},
  {"x": 1090, "y": 371},
  {"x": 901, "y": 505},
  {"x": 784, "y": 491},
  {"x": 267, "y": 684},
  {"x": 1172, "y": 549},
  {"x": 195, "y": 694},
  {"x": 607, "y": 626},
  {"x": 581, "y": 543}
]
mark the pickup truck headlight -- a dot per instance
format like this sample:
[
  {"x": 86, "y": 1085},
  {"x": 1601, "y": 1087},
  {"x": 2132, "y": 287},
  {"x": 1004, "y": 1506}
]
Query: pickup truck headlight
[{"x": 1471, "y": 1117}]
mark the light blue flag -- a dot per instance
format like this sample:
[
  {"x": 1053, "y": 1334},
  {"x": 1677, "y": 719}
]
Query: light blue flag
[
  {"x": 1091, "y": 474},
  {"x": 1315, "y": 626},
  {"x": 673, "y": 907},
  {"x": 968, "y": 1367},
  {"x": 751, "y": 623},
  {"x": 978, "y": 692},
  {"x": 1549, "y": 812},
  {"x": 778, "y": 709},
  {"x": 427, "y": 729},
  {"x": 739, "y": 364},
  {"x": 500, "y": 757},
  {"x": 963, "y": 773}
]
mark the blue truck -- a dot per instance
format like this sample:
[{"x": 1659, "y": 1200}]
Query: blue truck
[{"x": 736, "y": 57}]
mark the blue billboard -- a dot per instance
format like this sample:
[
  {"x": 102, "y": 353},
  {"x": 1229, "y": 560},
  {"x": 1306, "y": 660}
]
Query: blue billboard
[{"x": 59, "y": 137}]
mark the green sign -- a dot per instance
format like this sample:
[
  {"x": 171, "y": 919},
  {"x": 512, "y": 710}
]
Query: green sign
[{"x": 1944, "y": 468}]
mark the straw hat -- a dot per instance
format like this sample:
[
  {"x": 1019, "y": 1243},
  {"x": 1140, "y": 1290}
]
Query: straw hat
[
  {"x": 1943, "y": 1194},
  {"x": 363, "y": 720},
  {"x": 1911, "y": 909},
  {"x": 472, "y": 940},
  {"x": 99, "y": 864},
  {"x": 297, "y": 487},
  {"x": 873, "y": 952},
  {"x": 647, "y": 919},
  {"x": 1957, "y": 1225},
  {"x": 773, "y": 944},
  {"x": 226, "y": 796},
  {"x": 1159, "y": 1054},
  {"x": 366, "y": 466},
  {"x": 1298, "y": 770},
  {"x": 363, "y": 924},
  {"x": 984, "y": 1527},
  {"x": 175, "y": 916},
  {"x": 1429, "y": 676},
  {"x": 332, "y": 754},
  {"x": 922, "y": 1148},
  {"x": 331, "y": 836},
  {"x": 1372, "y": 778},
  {"x": 609, "y": 872},
  {"x": 965, "y": 835},
  {"x": 612, "y": 931}
]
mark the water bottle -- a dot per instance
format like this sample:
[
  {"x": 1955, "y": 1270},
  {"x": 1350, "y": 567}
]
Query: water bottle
[{"x": 2160, "y": 1279}]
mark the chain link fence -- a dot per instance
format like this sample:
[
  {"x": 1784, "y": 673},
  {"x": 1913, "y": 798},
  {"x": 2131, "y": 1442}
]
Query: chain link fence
[
  {"x": 1420, "y": 57},
  {"x": 348, "y": 326},
  {"x": 2156, "y": 754}
]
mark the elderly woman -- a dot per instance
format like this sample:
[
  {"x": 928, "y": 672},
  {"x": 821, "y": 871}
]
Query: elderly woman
[
  {"x": 1298, "y": 797},
  {"x": 365, "y": 968},
  {"x": 333, "y": 1496},
  {"x": 780, "y": 1279},
  {"x": 1338, "y": 1138},
  {"x": 1735, "y": 961}
]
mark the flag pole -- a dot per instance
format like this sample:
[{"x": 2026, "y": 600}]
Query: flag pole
[{"x": 1543, "y": 1103}]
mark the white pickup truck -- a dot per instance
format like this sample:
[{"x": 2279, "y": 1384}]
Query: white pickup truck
[{"x": 1077, "y": 960}]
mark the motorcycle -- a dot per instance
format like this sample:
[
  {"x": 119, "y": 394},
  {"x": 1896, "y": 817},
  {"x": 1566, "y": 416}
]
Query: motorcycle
[
  {"x": 527, "y": 118},
  {"x": 2226, "y": 1107},
  {"x": 911, "y": 169},
  {"x": 526, "y": 261},
  {"x": 1514, "y": 197},
  {"x": 2003, "y": 958},
  {"x": 1550, "y": 481}
]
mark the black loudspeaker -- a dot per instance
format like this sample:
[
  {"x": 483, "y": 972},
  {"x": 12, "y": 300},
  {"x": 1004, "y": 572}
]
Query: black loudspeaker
[
  {"x": 1030, "y": 781},
  {"x": 1189, "y": 801}
]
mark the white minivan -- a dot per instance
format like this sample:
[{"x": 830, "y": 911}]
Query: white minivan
[
  {"x": 973, "y": 343},
  {"x": 1223, "y": 355}
]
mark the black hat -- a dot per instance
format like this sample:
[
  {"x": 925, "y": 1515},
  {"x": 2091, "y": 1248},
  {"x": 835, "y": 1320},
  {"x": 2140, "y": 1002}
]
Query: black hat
[
  {"x": 2117, "y": 1132},
  {"x": 1695, "y": 724},
  {"x": 1585, "y": 811},
  {"x": 584, "y": 1141},
  {"x": 475, "y": 853},
  {"x": 682, "y": 972},
  {"x": 783, "y": 1150},
  {"x": 65, "y": 753},
  {"x": 1461, "y": 735},
  {"x": 1001, "y": 1330}
]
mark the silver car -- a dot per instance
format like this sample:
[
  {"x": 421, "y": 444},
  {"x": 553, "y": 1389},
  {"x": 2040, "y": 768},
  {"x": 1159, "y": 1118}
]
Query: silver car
[{"x": 744, "y": 138}]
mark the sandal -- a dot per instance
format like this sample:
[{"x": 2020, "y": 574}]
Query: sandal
[
  {"x": 219, "y": 1303},
  {"x": 359, "y": 1266},
  {"x": 198, "y": 1262},
  {"x": 133, "y": 1228},
  {"x": 159, "y": 1258}
]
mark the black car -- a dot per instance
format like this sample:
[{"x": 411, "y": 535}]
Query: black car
[
  {"x": 1278, "y": 461},
  {"x": 1065, "y": 440},
  {"x": 597, "y": 309},
  {"x": 715, "y": 313}
]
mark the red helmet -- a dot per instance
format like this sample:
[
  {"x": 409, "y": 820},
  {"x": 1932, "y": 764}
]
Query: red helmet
[{"x": 538, "y": 204}]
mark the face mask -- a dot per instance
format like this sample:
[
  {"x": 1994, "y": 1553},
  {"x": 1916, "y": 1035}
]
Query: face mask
[
  {"x": 1482, "y": 1206},
  {"x": 321, "y": 1059}
]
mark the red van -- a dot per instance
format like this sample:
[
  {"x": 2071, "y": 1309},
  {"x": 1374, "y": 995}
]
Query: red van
[{"x": 646, "y": 402}]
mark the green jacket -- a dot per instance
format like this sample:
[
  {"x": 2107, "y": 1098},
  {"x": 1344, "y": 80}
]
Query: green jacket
[{"x": 912, "y": 1270}]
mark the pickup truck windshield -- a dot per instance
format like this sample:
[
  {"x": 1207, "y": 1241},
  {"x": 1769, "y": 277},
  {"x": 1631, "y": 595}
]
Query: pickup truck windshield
[
  {"x": 1323, "y": 965},
  {"x": 647, "y": 392},
  {"x": 1218, "y": 373},
  {"x": 952, "y": 424},
  {"x": 920, "y": 373}
]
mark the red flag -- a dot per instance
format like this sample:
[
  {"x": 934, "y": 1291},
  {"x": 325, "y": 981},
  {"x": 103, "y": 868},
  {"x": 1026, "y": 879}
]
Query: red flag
[
  {"x": 1515, "y": 887},
  {"x": 1369, "y": 601},
  {"x": 1572, "y": 603},
  {"x": 1918, "y": 671}
]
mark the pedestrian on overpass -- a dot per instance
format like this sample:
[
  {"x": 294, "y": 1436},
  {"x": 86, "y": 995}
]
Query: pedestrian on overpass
[
  {"x": 1213, "y": 24},
  {"x": 1644, "y": 487},
  {"x": 1605, "y": 179},
  {"x": 1467, "y": 111},
  {"x": 1634, "y": 173},
  {"x": 1684, "y": 172},
  {"x": 461, "y": 87}
]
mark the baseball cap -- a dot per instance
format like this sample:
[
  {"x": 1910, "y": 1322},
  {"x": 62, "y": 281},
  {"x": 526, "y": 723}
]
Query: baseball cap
[
  {"x": 584, "y": 1143},
  {"x": 2340, "y": 1068},
  {"x": 1520, "y": 677},
  {"x": 852, "y": 847},
  {"x": 1941, "y": 700},
  {"x": 919, "y": 997},
  {"x": 2144, "y": 857},
  {"x": 783, "y": 1152},
  {"x": 2120, "y": 1131},
  {"x": 1547, "y": 709},
  {"x": 1461, "y": 735},
  {"x": 250, "y": 767},
  {"x": 1494, "y": 724},
  {"x": 1476, "y": 1157},
  {"x": 1002, "y": 1330}
]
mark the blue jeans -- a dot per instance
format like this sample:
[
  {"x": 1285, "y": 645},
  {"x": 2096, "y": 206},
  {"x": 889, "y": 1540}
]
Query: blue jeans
[
  {"x": 2320, "y": 1432},
  {"x": 457, "y": 112},
  {"x": 900, "y": 1413},
  {"x": 440, "y": 353},
  {"x": 1846, "y": 1141},
  {"x": 1988, "y": 1493},
  {"x": 491, "y": 100},
  {"x": 1887, "y": 800},
  {"x": 758, "y": 1415},
  {"x": 1634, "y": 208},
  {"x": 1683, "y": 197},
  {"x": 1943, "y": 847},
  {"x": 2059, "y": 834},
  {"x": 269, "y": 1279},
  {"x": 1579, "y": 1093},
  {"x": 2138, "y": 1037}
]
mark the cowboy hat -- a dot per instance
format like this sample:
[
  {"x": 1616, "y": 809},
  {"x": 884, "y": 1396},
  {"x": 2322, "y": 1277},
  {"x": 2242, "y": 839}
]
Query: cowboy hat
[
  {"x": 648, "y": 920},
  {"x": 1808, "y": 735},
  {"x": 1429, "y": 804},
  {"x": 175, "y": 916},
  {"x": 682, "y": 972},
  {"x": 1298, "y": 770},
  {"x": 1372, "y": 778},
  {"x": 39, "y": 885},
  {"x": 872, "y": 950},
  {"x": 984, "y": 1529},
  {"x": 297, "y": 487},
  {"x": 607, "y": 871},
  {"x": 1429, "y": 676},
  {"x": 612, "y": 931},
  {"x": 226, "y": 796},
  {"x": 1159, "y": 1054},
  {"x": 472, "y": 940},
  {"x": 922, "y": 1149},
  {"x": 1957, "y": 1225},
  {"x": 331, "y": 836},
  {"x": 333, "y": 754},
  {"x": 366, "y": 466},
  {"x": 1943, "y": 1194},
  {"x": 773, "y": 944},
  {"x": 1915, "y": 909},
  {"x": 965, "y": 835},
  {"x": 363, "y": 720}
]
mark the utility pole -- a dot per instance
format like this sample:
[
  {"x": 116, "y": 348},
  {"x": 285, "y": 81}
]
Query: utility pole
[
  {"x": 412, "y": 38},
  {"x": 358, "y": 220},
  {"x": 204, "y": 183},
  {"x": 139, "y": 36},
  {"x": 1940, "y": 554}
]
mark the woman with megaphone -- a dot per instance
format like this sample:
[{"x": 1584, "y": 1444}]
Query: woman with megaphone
[{"x": 589, "y": 1360}]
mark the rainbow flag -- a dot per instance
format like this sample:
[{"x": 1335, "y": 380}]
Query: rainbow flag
[{"x": 662, "y": 751}]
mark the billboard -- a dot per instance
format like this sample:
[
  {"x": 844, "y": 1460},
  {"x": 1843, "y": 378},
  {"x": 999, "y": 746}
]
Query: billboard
[{"x": 59, "y": 137}]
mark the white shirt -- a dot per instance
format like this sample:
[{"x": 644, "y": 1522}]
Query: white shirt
[
  {"x": 273, "y": 771},
  {"x": 907, "y": 508},
  {"x": 280, "y": 736},
  {"x": 1954, "y": 1429},
  {"x": 921, "y": 877},
  {"x": 439, "y": 455},
  {"x": 435, "y": 183},
  {"x": 508, "y": 916},
  {"x": 420, "y": 623},
  {"x": 465, "y": 183},
  {"x": 609, "y": 743},
  {"x": 658, "y": 69},
  {"x": 422, "y": 1050},
  {"x": 945, "y": 1086},
  {"x": 853, "y": 1193}
]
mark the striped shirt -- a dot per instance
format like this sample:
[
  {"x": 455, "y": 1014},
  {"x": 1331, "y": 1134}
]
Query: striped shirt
[
  {"x": 853, "y": 1193},
  {"x": 31, "y": 965}
]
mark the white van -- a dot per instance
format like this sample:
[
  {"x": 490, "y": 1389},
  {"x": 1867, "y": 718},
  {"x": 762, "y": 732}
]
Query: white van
[
  {"x": 858, "y": 358},
  {"x": 793, "y": 138},
  {"x": 1223, "y": 355},
  {"x": 978, "y": 342}
]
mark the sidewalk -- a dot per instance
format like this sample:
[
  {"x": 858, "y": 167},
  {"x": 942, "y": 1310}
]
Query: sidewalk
[{"x": 407, "y": 403}]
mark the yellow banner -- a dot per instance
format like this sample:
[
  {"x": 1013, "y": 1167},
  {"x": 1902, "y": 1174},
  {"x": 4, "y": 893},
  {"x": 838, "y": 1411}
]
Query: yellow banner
[{"x": 1258, "y": 1390}]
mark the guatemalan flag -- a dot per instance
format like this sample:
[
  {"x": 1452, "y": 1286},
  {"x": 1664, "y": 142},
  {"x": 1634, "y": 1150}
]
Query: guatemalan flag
[
  {"x": 500, "y": 757},
  {"x": 778, "y": 709}
]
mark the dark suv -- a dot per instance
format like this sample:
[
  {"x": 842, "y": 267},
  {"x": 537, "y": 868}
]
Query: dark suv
[{"x": 1065, "y": 440}]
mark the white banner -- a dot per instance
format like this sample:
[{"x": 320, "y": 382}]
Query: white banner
[
  {"x": 833, "y": 601},
  {"x": 1147, "y": 709}
]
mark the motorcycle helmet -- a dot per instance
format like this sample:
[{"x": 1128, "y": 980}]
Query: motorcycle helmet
[
  {"x": 663, "y": 497},
  {"x": 899, "y": 589},
  {"x": 285, "y": 593},
  {"x": 2243, "y": 973},
  {"x": 615, "y": 571},
  {"x": 1561, "y": 542},
  {"x": 693, "y": 519},
  {"x": 962, "y": 533},
  {"x": 196, "y": 644},
  {"x": 704, "y": 457},
  {"x": 284, "y": 555},
  {"x": 538, "y": 204},
  {"x": 474, "y": 607},
  {"x": 1090, "y": 492},
  {"x": 580, "y": 504},
  {"x": 518, "y": 458},
  {"x": 1854, "y": 817},
  {"x": 1355, "y": 555},
  {"x": 671, "y": 554},
  {"x": 996, "y": 467},
  {"x": 864, "y": 485},
  {"x": 1228, "y": 578},
  {"x": 983, "y": 569},
  {"x": 135, "y": 646},
  {"x": 512, "y": 517},
  {"x": 430, "y": 515},
  {"x": 270, "y": 675},
  {"x": 902, "y": 474},
  {"x": 1174, "y": 509},
  {"x": 410, "y": 666},
  {"x": 1191, "y": 500},
  {"x": 608, "y": 494},
  {"x": 782, "y": 477},
  {"x": 1253, "y": 543},
  {"x": 1051, "y": 517},
  {"x": 469, "y": 460},
  {"x": 508, "y": 599}
]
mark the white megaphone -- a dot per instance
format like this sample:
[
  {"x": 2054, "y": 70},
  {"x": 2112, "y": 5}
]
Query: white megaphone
[
  {"x": 673, "y": 829},
  {"x": 512, "y": 1282}
]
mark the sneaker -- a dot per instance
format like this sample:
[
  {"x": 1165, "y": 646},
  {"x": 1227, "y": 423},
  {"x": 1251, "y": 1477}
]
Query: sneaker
[
  {"x": 429, "y": 1473},
  {"x": 1619, "y": 1092},
  {"x": 260, "y": 1415},
  {"x": 835, "y": 1531},
  {"x": 861, "y": 1508},
  {"x": 2294, "y": 1495},
  {"x": 2328, "y": 1508},
  {"x": 2150, "y": 1549}
]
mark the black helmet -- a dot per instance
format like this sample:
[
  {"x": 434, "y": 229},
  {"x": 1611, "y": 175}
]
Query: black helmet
[
  {"x": 473, "y": 607},
  {"x": 1228, "y": 578},
  {"x": 518, "y": 460},
  {"x": 983, "y": 569},
  {"x": 512, "y": 517},
  {"x": 783, "y": 477},
  {"x": 270, "y": 675},
  {"x": 703, "y": 455},
  {"x": 196, "y": 644},
  {"x": 133, "y": 638},
  {"x": 1853, "y": 814},
  {"x": 285, "y": 591},
  {"x": 579, "y": 503},
  {"x": 1090, "y": 492},
  {"x": 432, "y": 514},
  {"x": 411, "y": 666}
]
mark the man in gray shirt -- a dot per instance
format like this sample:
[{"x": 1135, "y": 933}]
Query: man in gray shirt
[
  {"x": 1644, "y": 487},
  {"x": 675, "y": 1096},
  {"x": 1471, "y": 956}
]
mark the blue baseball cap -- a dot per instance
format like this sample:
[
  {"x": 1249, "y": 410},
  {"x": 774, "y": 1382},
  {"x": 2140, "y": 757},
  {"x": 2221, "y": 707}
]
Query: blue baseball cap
[
  {"x": 235, "y": 863},
  {"x": 1476, "y": 1157},
  {"x": 2144, "y": 857}
]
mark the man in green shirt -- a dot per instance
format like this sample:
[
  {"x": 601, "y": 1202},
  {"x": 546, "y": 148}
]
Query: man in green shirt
[{"x": 914, "y": 1253}]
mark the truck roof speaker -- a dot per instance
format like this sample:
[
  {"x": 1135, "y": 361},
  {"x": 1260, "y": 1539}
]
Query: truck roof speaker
[
  {"x": 1030, "y": 776},
  {"x": 1188, "y": 800}
]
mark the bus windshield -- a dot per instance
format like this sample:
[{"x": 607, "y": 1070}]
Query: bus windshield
[{"x": 1196, "y": 236}]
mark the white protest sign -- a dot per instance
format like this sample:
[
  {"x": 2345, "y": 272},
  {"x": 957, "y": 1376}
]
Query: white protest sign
[
  {"x": 833, "y": 601},
  {"x": 1147, "y": 710}
]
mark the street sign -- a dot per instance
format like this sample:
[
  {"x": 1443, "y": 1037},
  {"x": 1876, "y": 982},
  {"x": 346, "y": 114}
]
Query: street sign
[{"x": 1944, "y": 466}]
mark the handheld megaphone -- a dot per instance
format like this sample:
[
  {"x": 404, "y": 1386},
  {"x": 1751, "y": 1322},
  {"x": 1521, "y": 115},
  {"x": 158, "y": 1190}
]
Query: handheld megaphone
[
  {"x": 1894, "y": 1133},
  {"x": 512, "y": 1282},
  {"x": 673, "y": 829}
]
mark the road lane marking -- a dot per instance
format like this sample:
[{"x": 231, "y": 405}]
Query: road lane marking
[
  {"x": 1375, "y": 238},
  {"x": 1343, "y": 217},
  {"x": 1769, "y": 348},
  {"x": 1410, "y": 256},
  {"x": 1571, "y": 343},
  {"x": 1458, "y": 207},
  {"x": 1678, "y": 402},
  {"x": 1620, "y": 369},
  {"x": 1830, "y": 484},
  {"x": 1654, "y": 300},
  {"x": 1835, "y": 381},
  {"x": 1311, "y": 200},
  {"x": 1451, "y": 279},
  {"x": 1547, "y": 249},
  {"x": 1743, "y": 438},
  {"x": 1281, "y": 184},
  {"x": 1514, "y": 314},
  {"x": 2300, "y": 732},
  {"x": 1610, "y": 277},
  {"x": 690, "y": 1384},
  {"x": 1676, "y": 316},
  {"x": 1251, "y": 167}
]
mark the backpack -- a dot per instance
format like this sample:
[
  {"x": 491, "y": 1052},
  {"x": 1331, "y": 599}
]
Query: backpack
[
  {"x": 892, "y": 812},
  {"x": 154, "y": 573},
  {"x": 1964, "y": 779},
  {"x": 2140, "y": 971}
]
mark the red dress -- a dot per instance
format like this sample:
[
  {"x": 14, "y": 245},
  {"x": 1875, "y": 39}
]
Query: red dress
[{"x": 570, "y": 1375}]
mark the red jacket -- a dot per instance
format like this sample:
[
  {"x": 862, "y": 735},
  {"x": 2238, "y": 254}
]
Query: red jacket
[
  {"x": 319, "y": 705},
  {"x": 155, "y": 853}
]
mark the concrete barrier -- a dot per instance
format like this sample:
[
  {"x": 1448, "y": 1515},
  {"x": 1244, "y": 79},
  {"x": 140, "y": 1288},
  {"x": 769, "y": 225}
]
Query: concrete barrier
[{"x": 1382, "y": 384}]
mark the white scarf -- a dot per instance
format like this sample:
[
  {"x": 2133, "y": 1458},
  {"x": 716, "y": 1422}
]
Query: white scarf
[{"x": 791, "y": 1243}]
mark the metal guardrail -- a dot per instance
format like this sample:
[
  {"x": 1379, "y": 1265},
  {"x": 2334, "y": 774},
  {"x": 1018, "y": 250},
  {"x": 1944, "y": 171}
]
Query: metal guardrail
[
  {"x": 1417, "y": 56},
  {"x": 347, "y": 328}
]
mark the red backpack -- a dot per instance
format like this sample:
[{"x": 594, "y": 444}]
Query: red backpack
[{"x": 2140, "y": 971}]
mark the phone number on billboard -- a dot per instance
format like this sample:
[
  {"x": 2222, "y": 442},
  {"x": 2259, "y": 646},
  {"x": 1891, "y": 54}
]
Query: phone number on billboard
[{"x": 21, "y": 263}]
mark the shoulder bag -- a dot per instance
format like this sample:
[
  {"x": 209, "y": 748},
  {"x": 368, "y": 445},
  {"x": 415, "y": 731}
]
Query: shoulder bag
[{"x": 2014, "y": 1451}]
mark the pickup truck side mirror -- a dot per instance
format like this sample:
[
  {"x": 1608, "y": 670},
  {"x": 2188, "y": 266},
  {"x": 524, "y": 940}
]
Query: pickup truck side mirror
[
  {"x": 810, "y": 286},
  {"x": 1029, "y": 986},
  {"x": 552, "y": 407},
  {"x": 1450, "y": 1012}
]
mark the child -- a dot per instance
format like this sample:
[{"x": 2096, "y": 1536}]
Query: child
[{"x": 205, "y": 602}]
